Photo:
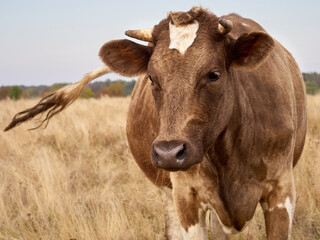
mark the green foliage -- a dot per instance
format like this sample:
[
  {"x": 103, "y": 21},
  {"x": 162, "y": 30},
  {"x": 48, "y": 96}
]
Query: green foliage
[
  {"x": 15, "y": 92},
  {"x": 87, "y": 93},
  {"x": 312, "y": 87},
  {"x": 312, "y": 81},
  {"x": 313, "y": 76}
]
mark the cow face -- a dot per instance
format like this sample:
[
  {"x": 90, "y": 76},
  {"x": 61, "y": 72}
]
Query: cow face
[{"x": 189, "y": 67}]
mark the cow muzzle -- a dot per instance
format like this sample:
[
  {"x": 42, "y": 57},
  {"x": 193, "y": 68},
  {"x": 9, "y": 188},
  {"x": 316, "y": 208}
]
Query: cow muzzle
[{"x": 172, "y": 155}]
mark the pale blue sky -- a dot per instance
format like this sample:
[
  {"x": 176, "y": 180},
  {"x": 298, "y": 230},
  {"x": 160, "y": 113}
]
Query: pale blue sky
[{"x": 43, "y": 42}]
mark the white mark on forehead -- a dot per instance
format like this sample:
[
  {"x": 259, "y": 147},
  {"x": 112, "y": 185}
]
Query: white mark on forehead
[{"x": 182, "y": 37}]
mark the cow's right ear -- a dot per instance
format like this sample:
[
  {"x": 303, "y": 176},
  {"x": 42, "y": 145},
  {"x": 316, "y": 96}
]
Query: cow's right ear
[{"x": 126, "y": 57}]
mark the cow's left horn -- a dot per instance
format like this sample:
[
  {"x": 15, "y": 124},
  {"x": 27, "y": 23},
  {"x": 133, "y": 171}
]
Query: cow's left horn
[
  {"x": 142, "y": 34},
  {"x": 225, "y": 26}
]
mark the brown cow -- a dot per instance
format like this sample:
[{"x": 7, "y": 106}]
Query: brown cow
[{"x": 217, "y": 120}]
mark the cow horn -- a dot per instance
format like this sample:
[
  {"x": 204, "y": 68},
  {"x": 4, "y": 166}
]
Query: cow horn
[
  {"x": 225, "y": 26},
  {"x": 142, "y": 34}
]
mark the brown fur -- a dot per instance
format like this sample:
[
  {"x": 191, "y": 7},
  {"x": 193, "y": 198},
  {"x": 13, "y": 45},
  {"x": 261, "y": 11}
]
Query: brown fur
[
  {"x": 246, "y": 122},
  {"x": 119, "y": 54}
]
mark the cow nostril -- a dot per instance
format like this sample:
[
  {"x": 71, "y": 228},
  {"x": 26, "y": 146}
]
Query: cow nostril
[
  {"x": 182, "y": 153},
  {"x": 171, "y": 155},
  {"x": 156, "y": 155}
]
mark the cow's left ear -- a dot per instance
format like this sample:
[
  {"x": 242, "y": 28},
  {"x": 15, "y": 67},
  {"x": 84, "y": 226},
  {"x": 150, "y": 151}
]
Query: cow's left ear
[
  {"x": 125, "y": 57},
  {"x": 250, "y": 50}
]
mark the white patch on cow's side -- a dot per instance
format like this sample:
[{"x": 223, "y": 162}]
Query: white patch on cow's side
[
  {"x": 290, "y": 210},
  {"x": 289, "y": 207},
  {"x": 182, "y": 37}
]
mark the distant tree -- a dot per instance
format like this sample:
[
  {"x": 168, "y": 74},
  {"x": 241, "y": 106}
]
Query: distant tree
[
  {"x": 15, "y": 92},
  {"x": 44, "y": 92},
  {"x": 103, "y": 91},
  {"x": 311, "y": 76},
  {"x": 28, "y": 92},
  {"x": 4, "y": 92},
  {"x": 115, "y": 89},
  {"x": 312, "y": 81},
  {"x": 312, "y": 87},
  {"x": 35, "y": 91},
  {"x": 87, "y": 93},
  {"x": 96, "y": 87}
]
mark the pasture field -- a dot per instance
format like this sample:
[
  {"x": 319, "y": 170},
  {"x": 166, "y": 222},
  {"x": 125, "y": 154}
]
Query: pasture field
[{"x": 76, "y": 179}]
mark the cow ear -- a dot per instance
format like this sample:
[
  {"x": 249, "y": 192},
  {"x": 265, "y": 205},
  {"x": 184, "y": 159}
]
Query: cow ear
[
  {"x": 250, "y": 50},
  {"x": 125, "y": 57}
]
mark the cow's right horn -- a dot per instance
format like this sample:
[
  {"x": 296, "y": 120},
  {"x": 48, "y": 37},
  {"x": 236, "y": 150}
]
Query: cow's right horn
[
  {"x": 142, "y": 34},
  {"x": 225, "y": 26}
]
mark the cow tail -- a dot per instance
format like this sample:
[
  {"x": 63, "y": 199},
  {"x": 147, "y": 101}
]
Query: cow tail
[{"x": 56, "y": 101}]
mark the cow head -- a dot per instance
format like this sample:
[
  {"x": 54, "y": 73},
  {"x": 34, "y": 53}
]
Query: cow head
[{"x": 189, "y": 62}]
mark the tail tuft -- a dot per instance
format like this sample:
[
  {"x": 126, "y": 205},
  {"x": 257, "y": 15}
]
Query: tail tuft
[{"x": 57, "y": 101}]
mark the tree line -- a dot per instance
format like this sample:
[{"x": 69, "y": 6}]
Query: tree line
[
  {"x": 118, "y": 88},
  {"x": 312, "y": 81},
  {"x": 97, "y": 89}
]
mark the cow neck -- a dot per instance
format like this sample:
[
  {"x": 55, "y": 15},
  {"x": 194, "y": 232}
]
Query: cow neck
[{"x": 240, "y": 115}]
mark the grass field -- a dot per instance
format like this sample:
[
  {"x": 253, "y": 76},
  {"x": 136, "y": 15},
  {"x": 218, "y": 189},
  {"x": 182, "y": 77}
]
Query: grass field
[{"x": 76, "y": 179}]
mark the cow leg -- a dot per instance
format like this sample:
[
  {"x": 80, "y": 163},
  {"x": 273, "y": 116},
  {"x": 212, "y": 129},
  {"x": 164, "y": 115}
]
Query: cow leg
[
  {"x": 191, "y": 213},
  {"x": 174, "y": 227},
  {"x": 172, "y": 224},
  {"x": 278, "y": 209},
  {"x": 197, "y": 231},
  {"x": 216, "y": 227}
]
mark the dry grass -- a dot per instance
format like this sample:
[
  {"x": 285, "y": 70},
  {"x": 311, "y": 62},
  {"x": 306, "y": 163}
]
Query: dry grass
[{"x": 76, "y": 179}]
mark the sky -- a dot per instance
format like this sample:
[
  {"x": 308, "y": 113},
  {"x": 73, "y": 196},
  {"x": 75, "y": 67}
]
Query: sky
[{"x": 46, "y": 42}]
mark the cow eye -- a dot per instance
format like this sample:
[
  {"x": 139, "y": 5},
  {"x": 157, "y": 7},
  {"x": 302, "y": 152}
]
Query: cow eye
[
  {"x": 213, "y": 76},
  {"x": 150, "y": 78}
]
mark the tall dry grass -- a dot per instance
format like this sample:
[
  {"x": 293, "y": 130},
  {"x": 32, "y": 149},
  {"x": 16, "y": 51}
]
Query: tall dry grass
[{"x": 76, "y": 179}]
